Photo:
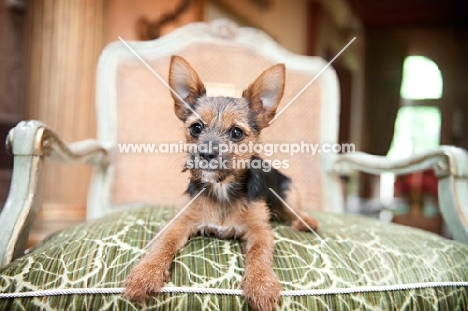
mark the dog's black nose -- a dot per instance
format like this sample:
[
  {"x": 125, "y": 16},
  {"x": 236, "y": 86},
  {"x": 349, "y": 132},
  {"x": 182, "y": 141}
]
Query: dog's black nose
[
  {"x": 210, "y": 152},
  {"x": 208, "y": 155}
]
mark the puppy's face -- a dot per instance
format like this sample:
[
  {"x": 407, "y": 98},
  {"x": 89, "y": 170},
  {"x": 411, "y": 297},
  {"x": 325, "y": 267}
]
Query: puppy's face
[
  {"x": 222, "y": 128},
  {"x": 222, "y": 142}
]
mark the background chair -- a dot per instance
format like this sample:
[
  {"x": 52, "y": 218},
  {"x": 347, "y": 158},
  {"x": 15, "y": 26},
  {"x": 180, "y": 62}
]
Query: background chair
[{"x": 137, "y": 192}]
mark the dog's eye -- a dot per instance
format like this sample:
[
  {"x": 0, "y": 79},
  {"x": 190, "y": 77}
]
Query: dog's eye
[
  {"x": 196, "y": 129},
  {"x": 237, "y": 134}
]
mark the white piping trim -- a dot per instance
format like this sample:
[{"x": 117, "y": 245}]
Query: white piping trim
[{"x": 235, "y": 292}]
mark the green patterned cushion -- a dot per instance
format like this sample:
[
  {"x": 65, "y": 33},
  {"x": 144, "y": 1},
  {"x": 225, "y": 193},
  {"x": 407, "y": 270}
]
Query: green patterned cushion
[{"x": 364, "y": 264}]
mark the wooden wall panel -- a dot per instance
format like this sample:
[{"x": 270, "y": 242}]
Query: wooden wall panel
[
  {"x": 65, "y": 39},
  {"x": 122, "y": 16}
]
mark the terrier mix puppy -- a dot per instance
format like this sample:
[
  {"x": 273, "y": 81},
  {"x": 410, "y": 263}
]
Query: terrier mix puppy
[{"x": 236, "y": 202}]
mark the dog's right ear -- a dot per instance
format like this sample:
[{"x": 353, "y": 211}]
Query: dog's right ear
[
  {"x": 184, "y": 80},
  {"x": 264, "y": 95}
]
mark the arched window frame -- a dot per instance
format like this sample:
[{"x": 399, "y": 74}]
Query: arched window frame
[{"x": 429, "y": 78}]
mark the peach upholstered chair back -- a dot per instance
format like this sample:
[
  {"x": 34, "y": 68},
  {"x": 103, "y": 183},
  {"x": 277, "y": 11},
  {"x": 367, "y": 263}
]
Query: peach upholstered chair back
[{"x": 136, "y": 107}]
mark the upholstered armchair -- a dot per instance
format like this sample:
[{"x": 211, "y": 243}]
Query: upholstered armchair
[{"x": 352, "y": 263}]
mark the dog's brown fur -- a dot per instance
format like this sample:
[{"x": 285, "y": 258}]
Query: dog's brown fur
[{"x": 225, "y": 209}]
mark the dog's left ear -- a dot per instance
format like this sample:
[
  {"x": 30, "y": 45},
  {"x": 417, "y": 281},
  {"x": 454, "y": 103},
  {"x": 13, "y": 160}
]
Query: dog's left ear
[{"x": 265, "y": 94}]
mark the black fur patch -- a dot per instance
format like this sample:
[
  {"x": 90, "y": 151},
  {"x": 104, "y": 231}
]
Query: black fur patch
[
  {"x": 255, "y": 187},
  {"x": 192, "y": 188},
  {"x": 252, "y": 185},
  {"x": 253, "y": 123}
]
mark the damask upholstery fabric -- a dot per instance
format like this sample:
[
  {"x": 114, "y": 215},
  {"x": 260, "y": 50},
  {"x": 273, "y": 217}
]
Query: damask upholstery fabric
[{"x": 355, "y": 252}]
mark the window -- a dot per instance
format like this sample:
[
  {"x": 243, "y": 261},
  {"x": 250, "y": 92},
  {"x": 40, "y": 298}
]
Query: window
[
  {"x": 417, "y": 125},
  {"x": 417, "y": 129},
  {"x": 421, "y": 79}
]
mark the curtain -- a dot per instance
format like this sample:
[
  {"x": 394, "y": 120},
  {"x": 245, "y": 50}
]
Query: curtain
[{"x": 385, "y": 54}]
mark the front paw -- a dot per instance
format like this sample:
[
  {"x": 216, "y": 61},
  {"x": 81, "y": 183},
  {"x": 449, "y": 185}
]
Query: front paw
[
  {"x": 261, "y": 289},
  {"x": 144, "y": 280},
  {"x": 299, "y": 225}
]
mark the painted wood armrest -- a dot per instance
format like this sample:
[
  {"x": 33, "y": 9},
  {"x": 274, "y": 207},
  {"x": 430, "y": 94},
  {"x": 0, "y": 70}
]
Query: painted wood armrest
[
  {"x": 31, "y": 142},
  {"x": 34, "y": 138},
  {"x": 450, "y": 165}
]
